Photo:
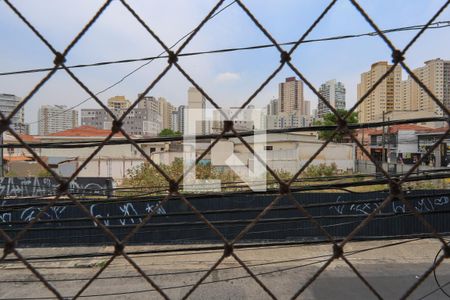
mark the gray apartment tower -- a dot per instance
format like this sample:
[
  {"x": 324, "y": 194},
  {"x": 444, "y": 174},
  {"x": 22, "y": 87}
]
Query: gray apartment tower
[
  {"x": 334, "y": 92},
  {"x": 272, "y": 107},
  {"x": 8, "y": 103},
  {"x": 54, "y": 118},
  {"x": 144, "y": 120}
]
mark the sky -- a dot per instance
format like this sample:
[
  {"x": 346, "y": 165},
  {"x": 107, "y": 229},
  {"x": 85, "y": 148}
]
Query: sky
[{"x": 229, "y": 78}]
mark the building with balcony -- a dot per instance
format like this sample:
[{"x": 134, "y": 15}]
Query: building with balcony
[
  {"x": 334, "y": 93},
  {"x": 8, "y": 103},
  {"x": 54, "y": 118}
]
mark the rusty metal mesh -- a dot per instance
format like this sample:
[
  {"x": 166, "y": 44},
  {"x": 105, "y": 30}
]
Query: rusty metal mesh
[{"x": 120, "y": 246}]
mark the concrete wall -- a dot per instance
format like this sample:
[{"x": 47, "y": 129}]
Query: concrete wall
[
  {"x": 290, "y": 156},
  {"x": 113, "y": 151},
  {"x": 343, "y": 155},
  {"x": 116, "y": 168}
]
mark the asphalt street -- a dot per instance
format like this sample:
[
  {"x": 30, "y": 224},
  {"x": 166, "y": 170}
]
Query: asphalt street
[{"x": 391, "y": 270}]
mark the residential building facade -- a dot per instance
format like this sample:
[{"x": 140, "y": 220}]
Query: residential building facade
[
  {"x": 290, "y": 96},
  {"x": 272, "y": 107},
  {"x": 174, "y": 125},
  {"x": 196, "y": 112},
  {"x": 54, "y": 118},
  {"x": 149, "y": 103},
  {"x": 8, "y": 103},
  {"x": 181, "y": 117},
  {"x": 118, "y": 103},
  {"x": 383, "y": 98},
  {"x": 139, "y": 121},
  {"x": 436, "y": 77},
  {"x": 334, "y": 93},
  {"x": 288, "y": 121},
  {"x": 290, "y": 109},
  {"x": 306, "y": 108},
  {"x": 165, "y": 111}
]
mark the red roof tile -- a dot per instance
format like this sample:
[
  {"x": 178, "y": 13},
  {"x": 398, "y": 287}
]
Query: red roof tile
[
  {"x": 28, "y": 138},
  {"x": 18, "y": 158},
  {"x": 396, "y": 128},
  {"x": 84, "y": 131},
  {"x": 437, "y": 130}
]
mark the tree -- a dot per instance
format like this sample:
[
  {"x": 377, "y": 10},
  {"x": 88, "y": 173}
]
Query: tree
[
  {"x": 167, "y": 132},
  {"x": 330, "y": 119},
  {"x": 147, "y": 178}
]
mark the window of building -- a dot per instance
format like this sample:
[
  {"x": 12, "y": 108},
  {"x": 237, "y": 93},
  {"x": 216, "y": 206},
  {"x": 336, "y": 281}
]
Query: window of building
[{"x": 268, "y": 148}]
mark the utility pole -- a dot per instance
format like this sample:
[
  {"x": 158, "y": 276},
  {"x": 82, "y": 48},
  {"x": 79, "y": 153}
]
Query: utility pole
[
  {"x": 388, "y": 152},
  {"x": 383, "y": 142},
  {"x": 2, "y": 166},
  {"x": 388, "y": 142}
]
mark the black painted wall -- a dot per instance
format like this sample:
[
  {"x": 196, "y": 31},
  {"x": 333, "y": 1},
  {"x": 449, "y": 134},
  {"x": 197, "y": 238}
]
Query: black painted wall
[{"x": 338, "y": 213}]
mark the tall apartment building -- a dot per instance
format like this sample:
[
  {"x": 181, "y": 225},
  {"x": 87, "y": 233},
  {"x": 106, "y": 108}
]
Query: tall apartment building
[
  {"x": 436, "y": 76},
  {"x": 181, "y": 117},
  {"x": 54, "y": 118},
  {"x": 290, "y": 96},
  {"x": 118, "y": 103},
  {"x": 196, "y": 111},
  {"x": 8, "y": 103},
  {"x": 150, "y": 103},
  {"x": 161, "y": 106},
  {"x": 383, "y": 98},
  {"x": 334, "y": 92},
  {"x": 406, "y": 101},
  {"x": 174, "y": 125},
  {"x": 272, "y": 107},
  {"x": 178, "y": 119},
  {"x": 290, "y": 109},
  {"x": 306, "y": 108},
  {"x": 165, "y": 110}
]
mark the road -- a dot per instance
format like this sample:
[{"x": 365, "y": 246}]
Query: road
[{"x": 391, "y": 270}]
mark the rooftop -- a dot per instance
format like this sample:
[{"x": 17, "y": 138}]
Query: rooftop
[
  {"x": 401, "y": 127},
  {"x": 84, "y": 131},
  {"x": 28, "y": 138}
]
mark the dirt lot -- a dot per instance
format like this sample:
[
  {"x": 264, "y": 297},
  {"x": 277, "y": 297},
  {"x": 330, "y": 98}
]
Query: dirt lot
[{"x": 283, "y": 269}]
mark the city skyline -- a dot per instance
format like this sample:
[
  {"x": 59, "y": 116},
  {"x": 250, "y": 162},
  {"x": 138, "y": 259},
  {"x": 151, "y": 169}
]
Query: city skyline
[
  {"x": 225, "y": 77},
  {"x": 175, "y": 146},
  {"x": 403, "y": 92}
]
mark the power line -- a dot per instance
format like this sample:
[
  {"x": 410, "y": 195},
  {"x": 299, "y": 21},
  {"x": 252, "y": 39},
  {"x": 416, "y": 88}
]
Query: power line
[
  {"x": 184, "y": 224},
  {"x": 106, "y": 195},
  {"x": 350, "y": 253},
  {"x": 427, "y": 175},
  {"x": 220, "y": 269},
  {"x": 117, "y": 141},
  {"x": 8, "y": 207},
  {"x": 395, "y": 186},
  {"x": 222, "y": 211},
  {"x": 149, "y": 60},
  {"x": 435, "y": 25}
]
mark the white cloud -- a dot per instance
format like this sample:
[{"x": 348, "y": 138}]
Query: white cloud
[{"x": 228, "y": 76}]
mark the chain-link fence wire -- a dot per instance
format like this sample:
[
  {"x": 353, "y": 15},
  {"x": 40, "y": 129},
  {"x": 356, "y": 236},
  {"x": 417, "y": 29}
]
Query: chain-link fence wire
[{"x": 338, "y": 247}]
